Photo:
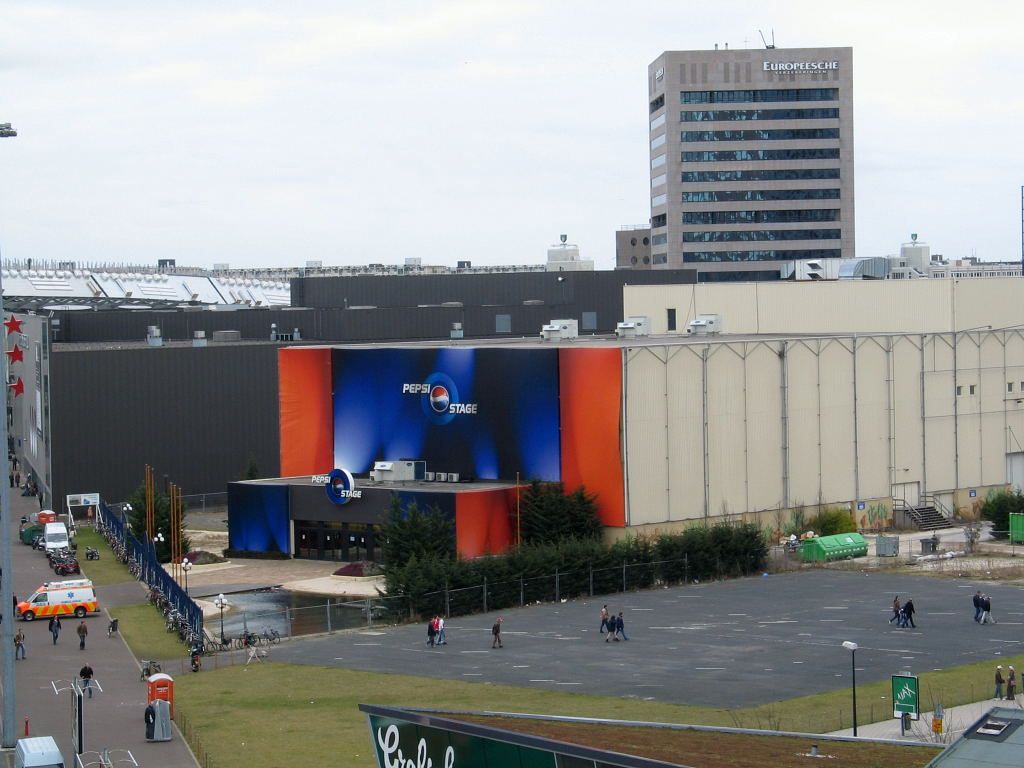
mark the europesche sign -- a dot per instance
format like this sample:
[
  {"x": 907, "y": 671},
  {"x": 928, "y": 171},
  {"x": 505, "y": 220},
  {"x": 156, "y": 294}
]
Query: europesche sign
[{"x": 800, "y": 66}]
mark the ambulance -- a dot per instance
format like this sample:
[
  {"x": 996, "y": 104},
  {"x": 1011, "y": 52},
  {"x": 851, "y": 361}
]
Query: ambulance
[{"x": 60, "y": 598}]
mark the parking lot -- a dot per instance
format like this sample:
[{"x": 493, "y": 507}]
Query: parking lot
[{"x": 726, "y": 644}]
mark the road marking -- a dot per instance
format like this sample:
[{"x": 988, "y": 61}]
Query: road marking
[
  {"x": 568, "y": 683},
  {"x": 568, "y": 638},
  {"x": 372, "y": 634},
  {"x": 641, "y": 609},
  {"x": 472, "y": 674},
  {"x": 835, "y": 608},
  {"x": 798, "y": 662},
  {"x": 831, "y": 619},
  {"x": 737, "y": 614},
  {"x": 780, "y": 621},
  {"x": 649, "y": 685},
  {"x": 339, "y": 658},
  {"x": 366, "y": 643},
  {"x": 542, "y": 681},
  {"x": 938, "y": 613},
  {"x": 906, "y": 657},
  {"x": 520, "y": 666},
  {"x": 710, "y": 669},
  {"x": 472, "y": 651}
]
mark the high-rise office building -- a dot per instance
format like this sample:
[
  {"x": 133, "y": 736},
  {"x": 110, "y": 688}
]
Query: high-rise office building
[{"x": 751, "y": 160}]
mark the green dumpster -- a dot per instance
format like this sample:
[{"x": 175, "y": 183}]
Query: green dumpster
[
  {"x": 839, "y": 547},
  {"x": 1016, "y": 528},
  {"x": 29, "y": 532}
]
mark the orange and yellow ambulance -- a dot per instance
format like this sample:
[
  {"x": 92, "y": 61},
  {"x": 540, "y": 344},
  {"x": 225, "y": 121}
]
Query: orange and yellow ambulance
[{"x": 60, "y": 598}]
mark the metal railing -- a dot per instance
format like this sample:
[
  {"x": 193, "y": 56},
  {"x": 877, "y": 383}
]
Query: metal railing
[{"x": 150, "y": 570}]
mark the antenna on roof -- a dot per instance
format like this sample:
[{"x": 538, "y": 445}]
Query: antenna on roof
[{"x": 767, "y": 45}]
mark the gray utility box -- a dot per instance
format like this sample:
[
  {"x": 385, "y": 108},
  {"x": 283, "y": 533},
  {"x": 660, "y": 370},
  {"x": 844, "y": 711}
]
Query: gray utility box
[{"x": 887, "y": 546}]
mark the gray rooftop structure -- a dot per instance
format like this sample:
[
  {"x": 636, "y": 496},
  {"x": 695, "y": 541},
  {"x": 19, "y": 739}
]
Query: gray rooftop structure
[{"x": 995, "y": 740}]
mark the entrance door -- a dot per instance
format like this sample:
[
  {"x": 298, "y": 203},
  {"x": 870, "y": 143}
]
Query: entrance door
[
  {"x": 908, "y": 492},
  {"x": 307, "y": 543},
  {"x": 1015, "y": 471}
]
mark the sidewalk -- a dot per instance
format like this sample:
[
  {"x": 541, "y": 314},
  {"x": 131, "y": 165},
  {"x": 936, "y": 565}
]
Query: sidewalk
[
  {"x": 955, "y": 721},
  {"x": 113, "y": 718}
]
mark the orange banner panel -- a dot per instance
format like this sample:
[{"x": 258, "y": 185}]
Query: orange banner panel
[
  {"x": 483, "y": 522},
  {"x": 590, "y": 397},
  {"x": 304, "y": 389}
]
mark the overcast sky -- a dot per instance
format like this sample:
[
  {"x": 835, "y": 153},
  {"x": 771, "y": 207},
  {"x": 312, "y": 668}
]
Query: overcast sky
[{"x": 274, "y": 133}]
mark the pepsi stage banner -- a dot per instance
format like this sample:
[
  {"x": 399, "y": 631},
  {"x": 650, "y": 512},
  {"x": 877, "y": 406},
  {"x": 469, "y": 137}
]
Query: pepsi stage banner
[{"x": 484, "y": 413}]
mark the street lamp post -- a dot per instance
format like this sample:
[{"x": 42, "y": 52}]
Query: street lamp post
[
  {"x": 186, "y": 566},
  {"x": 852, "y": 648},
  {"x": 221, "y": 602},
  {"x": 7, "y": 738}
]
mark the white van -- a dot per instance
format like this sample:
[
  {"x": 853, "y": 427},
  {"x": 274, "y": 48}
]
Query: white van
[
  {"x": 55, "y": 536},
  {"x": 38, "y": 752},
  {"x": 60, "y": 598}
]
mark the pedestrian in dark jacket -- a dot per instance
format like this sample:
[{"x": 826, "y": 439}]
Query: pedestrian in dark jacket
[
  {"x": 54, "y": 627},
  {"x": 620, "y": 627},
  {"x": 977, "y": 606},
  {"x": 999, "y": 683},
  {"x": 431, "y": 631},
  {"x": 908, "y": 613},
  {"x": 986, "y": 609},
  {"x": 895, "y": 609},
  {"x": 83, "y": 632},
  {"x": 1011, "y": 684},
  {"x": 496, "y": 633}
]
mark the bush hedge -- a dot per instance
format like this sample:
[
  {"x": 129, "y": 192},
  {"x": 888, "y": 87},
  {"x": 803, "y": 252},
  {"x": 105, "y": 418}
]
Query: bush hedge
[
  {"x": 997, "y": 509},
  {"x": 528, "y": 573}
]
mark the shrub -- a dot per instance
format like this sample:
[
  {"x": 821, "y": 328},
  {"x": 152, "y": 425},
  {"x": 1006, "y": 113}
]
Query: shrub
[
  {"x": 997, "y": 509},
  {"x": 831, "y": 521}
]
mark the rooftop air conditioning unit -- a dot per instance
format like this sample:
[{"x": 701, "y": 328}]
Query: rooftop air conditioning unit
[
  {"x": 560, "y": 329},
  {"x": 705, "y": 325},
  {"x": 199, "y": 338},
  {"x": 428, "y": 476},
  {"x": 393, "y": 471},
  {"x": 153, "y": 337},
  {"x": 441, "y": 477},
  {"x": 453, "y": 477},
  {"x": 635, "y": 325}
]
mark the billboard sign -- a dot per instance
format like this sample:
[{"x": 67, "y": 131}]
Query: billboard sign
[{"x": 905, "y": 697}]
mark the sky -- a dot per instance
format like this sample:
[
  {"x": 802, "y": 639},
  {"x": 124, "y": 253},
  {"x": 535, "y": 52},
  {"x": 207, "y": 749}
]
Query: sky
[{"x": 272, "y": 134}]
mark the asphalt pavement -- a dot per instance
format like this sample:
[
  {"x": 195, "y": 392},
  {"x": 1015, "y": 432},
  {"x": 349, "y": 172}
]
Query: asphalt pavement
[
  {"x": 724, "y": 644},
  {"x": 113, "y": 717}
]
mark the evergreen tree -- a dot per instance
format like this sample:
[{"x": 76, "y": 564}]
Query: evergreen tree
[{"x": 162, "y": 521}]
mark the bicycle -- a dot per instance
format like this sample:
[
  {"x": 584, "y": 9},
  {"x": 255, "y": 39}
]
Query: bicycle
[
  {"x": 149, "y": 667},
  {"x": 271, "y": 636}
]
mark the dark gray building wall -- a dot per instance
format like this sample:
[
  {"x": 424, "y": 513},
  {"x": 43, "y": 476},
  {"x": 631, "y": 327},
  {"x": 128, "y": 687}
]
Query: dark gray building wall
[
  {"x": 198, "y": 415},
  {"x": 77, "y": 326}
]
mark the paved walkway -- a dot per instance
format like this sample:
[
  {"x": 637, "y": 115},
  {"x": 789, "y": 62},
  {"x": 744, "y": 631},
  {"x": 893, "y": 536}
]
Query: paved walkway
[
  {"x": 113, "y": 718},
  {"x": 955, "y": 721}
]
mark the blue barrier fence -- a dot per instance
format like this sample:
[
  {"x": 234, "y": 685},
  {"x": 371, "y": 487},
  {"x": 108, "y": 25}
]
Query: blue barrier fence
[{"x": 144, "y": 553}]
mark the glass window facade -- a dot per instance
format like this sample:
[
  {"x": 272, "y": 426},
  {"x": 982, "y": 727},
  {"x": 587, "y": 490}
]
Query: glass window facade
[
  {"x": 658, "y": 181},
  {"x": 739, "y": 276},
  {"x": 766, "y": 134},
  {"x": 702, "y": 115},
  {"x": 728, "y": 155},
  {"x": 701, "y": 257},
  {"x": 659, "y": 239},
  {"x": 658, "y": 103},
  {"x": 660, "y": 220},
  {"x": 786, "y": 216},
  {"x": 763, "y": 234},
  {"x": 658, "y": 141},
  {"x": 658, "y": 161},
  {"x": 764, "y": 95},
  {"x": 658, "y": 200},
  {"x": 773, "y": 174},
  {"x": 657, "y": 122},
  {"x": 759, "y": 195}
]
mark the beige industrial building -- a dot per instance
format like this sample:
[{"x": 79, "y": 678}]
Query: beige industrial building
[{"x": 847, "y": 393}]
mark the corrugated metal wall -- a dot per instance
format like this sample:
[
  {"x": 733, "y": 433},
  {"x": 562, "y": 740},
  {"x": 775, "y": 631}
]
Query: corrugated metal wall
[
  {"x": 198, "y": 415},
  {"x": 728, "y": 427}
]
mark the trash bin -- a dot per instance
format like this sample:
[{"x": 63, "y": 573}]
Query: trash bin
[
  {"x": 158, "y": 721},
  {"x": 160, "y": 687},
  {"x": 928, "y": 546},
  {"x": 887, "y": 546}
]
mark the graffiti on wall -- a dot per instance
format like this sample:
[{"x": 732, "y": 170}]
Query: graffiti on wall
[{"x": 877, "y": 517}]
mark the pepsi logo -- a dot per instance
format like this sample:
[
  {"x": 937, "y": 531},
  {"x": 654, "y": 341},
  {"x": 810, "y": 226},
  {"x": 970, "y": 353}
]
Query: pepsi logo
[{"x": 439, "y": 399}]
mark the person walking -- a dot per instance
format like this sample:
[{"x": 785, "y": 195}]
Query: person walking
[
  {"x": 431, "y": 631},
  {"x": 908, "y": 613},
  {"x": 19, "y": 643},
  {"x": 1011, "y": 684},
  {"x": 86, "y": 674},
  {"x": 999, "y": 682},
  {"x": 895, "y": 609},
  {"x": 496, "y": 633},
  {"x": 977, "y": 606},
  {"x": 604, "y": 620},
  {"x": 620, "y": 627},
  {"x": 441, "y": 639},
  {"x": 83, "y": 632},
  {"x": 986, "y": 609},
  {"x": 54, "y": 627}
]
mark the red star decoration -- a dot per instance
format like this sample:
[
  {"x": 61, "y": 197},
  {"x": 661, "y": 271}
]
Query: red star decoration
[
  {"x": 18, "y": 387},
  {"x": 15, "y": 355},
  {"x": 13, "y": 324}
]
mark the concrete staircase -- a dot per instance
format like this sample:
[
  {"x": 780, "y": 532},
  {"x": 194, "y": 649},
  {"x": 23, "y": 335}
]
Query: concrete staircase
[{"x": 925, "y": 516}]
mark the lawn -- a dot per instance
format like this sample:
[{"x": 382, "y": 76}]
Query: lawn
[
  {"x": 108, "y": 569},
  {"x": 292, "y": 704},
  {"x": 143, "y": 628}
]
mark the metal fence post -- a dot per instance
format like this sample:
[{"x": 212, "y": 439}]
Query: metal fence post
[
  {"x": 447, "y": 601},
  {"x": 522, "y": 591},
  {"x": 329, "y": 629},
  {"x": 485, "y": 594},
  {"x": 369, "y": 612},
  {"x": 288, "y": 621},
  {"x": 686, "y": 568},
  {"x": 558, "y": 593},
  {"x": 591, "y": 581},
  {"x": 623, "y": 575}
]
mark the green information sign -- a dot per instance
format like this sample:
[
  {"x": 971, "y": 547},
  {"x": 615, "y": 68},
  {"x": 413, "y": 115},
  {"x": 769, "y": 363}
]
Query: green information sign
[{"x": 905, "y": 697}]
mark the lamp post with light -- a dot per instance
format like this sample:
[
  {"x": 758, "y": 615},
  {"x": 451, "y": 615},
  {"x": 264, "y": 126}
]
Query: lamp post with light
[
  {"x": 852, "y": 648},
  {"x": 221, "y": 602},
  {"x": 186, "y": 566}
]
